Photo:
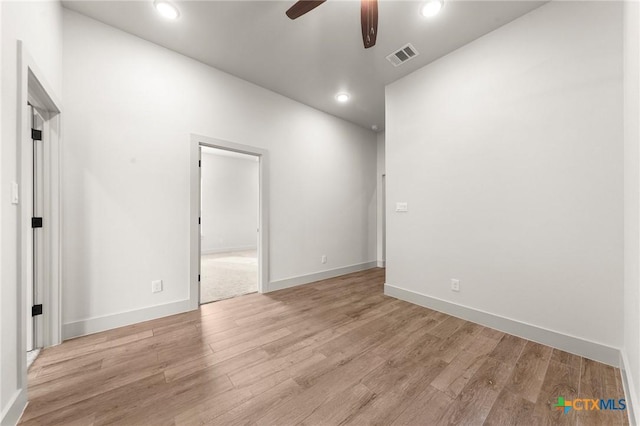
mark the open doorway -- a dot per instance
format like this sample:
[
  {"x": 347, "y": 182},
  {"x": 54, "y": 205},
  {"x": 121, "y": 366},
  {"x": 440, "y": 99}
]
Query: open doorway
[
  {"x": 229, "y": 224},
  {"x": 195, "y": 200}
]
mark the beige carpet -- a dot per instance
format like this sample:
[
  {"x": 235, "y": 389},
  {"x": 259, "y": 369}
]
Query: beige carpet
[{"x": 226, "y": 275}]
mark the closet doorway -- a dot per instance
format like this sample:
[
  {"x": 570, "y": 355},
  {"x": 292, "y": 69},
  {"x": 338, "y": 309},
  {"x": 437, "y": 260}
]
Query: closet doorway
[
  {"x": 198, "y": 142},
  {"x": 229, "y": 224}
]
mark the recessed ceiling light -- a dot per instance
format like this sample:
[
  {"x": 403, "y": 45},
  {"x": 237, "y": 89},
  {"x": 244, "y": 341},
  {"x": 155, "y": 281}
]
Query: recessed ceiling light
[
  {"x": 431, "y": 8},
  {"x": 342, "y": 97},
  {"x": 166, "y": 9}
]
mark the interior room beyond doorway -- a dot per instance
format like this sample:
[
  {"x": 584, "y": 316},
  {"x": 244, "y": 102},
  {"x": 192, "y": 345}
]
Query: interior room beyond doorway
[{"x": 229, "y": 224}]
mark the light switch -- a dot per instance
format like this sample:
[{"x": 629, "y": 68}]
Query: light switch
[
  {"x": 402, "y": 207},
  {"x": 15, "y": 193}
]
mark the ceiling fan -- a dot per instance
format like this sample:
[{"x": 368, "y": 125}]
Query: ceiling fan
[{"x": 368, "y": 17}]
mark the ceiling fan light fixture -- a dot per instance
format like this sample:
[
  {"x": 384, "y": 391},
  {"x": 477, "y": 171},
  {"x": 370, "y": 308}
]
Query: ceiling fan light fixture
[
  {"x": 166, "y": 9},
  {"x": 343, "y": 97},
  {"x": 431, "y": 8}
]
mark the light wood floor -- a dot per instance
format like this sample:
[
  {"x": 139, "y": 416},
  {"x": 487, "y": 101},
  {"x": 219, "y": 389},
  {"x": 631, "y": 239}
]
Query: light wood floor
[{"x": 333, "y": 352}]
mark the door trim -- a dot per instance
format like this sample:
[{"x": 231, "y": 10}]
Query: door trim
[
  {"x": 263, "y": 212},
  {"x": 33, "y": 88}
]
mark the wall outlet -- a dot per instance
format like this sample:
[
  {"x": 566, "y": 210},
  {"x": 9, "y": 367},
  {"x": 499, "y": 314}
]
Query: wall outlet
[
  {"x": 324, "y": 258},
  {"x": 455, "y": 285},
  {"x": 156, "y": 286}
]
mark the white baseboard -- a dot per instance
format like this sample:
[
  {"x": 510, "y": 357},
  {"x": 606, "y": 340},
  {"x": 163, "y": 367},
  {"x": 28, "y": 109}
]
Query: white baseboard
[
  {"x": 108, "y": 322},
  {"x": 629, "y": 389},
  {"x": 381, "y": 263},
  {"x": 318, "y": 276},
  {"x": 575, "y": 345},
  {"x": 227, "y": 249},
  {"x": 12, "y": 413}
]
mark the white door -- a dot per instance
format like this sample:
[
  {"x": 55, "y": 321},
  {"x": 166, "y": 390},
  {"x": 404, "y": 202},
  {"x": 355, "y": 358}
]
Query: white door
[
  {"x": 384, "y": 218},
  {"x": 36, "y": 261}
]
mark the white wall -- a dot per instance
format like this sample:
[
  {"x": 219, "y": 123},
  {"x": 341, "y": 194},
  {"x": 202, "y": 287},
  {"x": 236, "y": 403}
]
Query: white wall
[
  {"x": 39, "y": 25},
  {"x": 380, "y": 170},
  {"x": 2, "y": 184},
  {"x": 229, "y": 207},
  {"x": 631, "y": 349},
  {"x": 509, "y": 153},
  {"x": 130, "y": 109},
  {"x": 3, "y": 405}
]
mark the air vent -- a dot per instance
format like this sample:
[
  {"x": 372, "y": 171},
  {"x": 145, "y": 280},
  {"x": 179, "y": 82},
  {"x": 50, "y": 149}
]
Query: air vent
[{"x": 402, "y": 55}]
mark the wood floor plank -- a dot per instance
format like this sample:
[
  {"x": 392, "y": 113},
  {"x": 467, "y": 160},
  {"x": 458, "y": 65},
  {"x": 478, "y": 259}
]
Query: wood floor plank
[
  {"x": 482, "y": 345},
  {"x": 251, "y": 410},
  {"x": 598, "y": 381},
  {"x": 561, "y": 380},
  {"x": 247, "y": 345},
  {"x": 457, "y": 374},
  {"x": 252, "y": 374},
  {"x": 76, "y": 410},
  {"x": 337, "y": 408},
  {"x": 333, "y": 352},
  {"x": 529, "y": 371},
  {"x": 428, "y": 408},
  {"x": 477, "y": 398},
  {"x": 157, "y": 405},
  {"x": 512, "y": 410},
  {"x": 416, "y": 345},
  {"x": 566, "y": 358},
  {"x": 508, "y": 349},
  {"x": 459, "y": 340},
  {"x": 45, "y": 375},
  {"x": 224, "y": 365},
  {"x": 449, "y": 326},
  {"x": 343, "y": 377},
  {"x": 396, "y": 385}
]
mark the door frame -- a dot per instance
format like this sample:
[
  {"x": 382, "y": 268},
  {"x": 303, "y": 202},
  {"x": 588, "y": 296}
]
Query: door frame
[
  {"x": 34, "y": 89},
  {"x": 263, "y": 211}
]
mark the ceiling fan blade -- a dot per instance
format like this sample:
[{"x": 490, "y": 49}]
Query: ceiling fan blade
[
  {"x": 303, "y": 6},
  {"x": 369, "y": 21}
]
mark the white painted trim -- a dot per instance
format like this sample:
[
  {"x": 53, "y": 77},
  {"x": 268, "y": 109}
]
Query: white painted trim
[
  {"x": 572, "y": 344},
  {"x": 318, "y": 276},
  {"x": 108, "y": 322},
  {"x": 194, "y": 231},
  {"x": 629, "y": 389},
  {"x": 11, "y": 415},
  {"x": 31, "y": 81},
  {"x": 381, "y": 263},
  {"x": 228, "y": 250},
  {"x": 34, "y": 88}
]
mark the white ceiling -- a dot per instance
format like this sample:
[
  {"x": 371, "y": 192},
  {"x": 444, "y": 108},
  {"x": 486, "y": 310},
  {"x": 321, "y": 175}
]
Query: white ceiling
[{"x": 316, "y": 56}]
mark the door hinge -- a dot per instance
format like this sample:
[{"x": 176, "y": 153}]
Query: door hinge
[
  {"x": 36, "y": 135},
  {"x": 198, "y": 277},
  {"x": 199, "y": 163},
  {"x": 199, "y": 221},
  {"x": 36, "y": 222},
  {"x": 36, "y": 310}
]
